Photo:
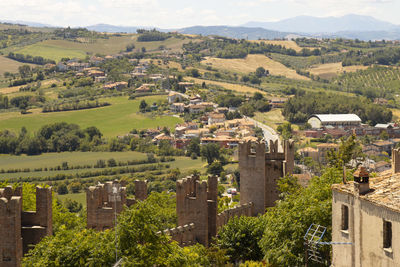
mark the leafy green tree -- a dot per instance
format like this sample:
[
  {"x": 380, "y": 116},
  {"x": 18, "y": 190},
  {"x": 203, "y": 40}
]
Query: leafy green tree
[
  {"x": 193, "y": 147},
  {"x": 62, "y": 189},
  {"x": 72, "y": 205},
  {"x": 24, "y": 71},
  {"x": 143, "y": 106},
  {"x": 348, "y": 149},
  {"x": 285, "y": 130},
  {"x": 215, "y": 168},
  {"x": 240, "y": 238},
  {"x": 260, "y": 72},
  {"x": 286, "y": 223},
  {"x": 210, "y": 152}
]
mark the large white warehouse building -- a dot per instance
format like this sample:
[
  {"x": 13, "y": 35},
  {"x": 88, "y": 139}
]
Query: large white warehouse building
[{"x": 336, "y": 120}]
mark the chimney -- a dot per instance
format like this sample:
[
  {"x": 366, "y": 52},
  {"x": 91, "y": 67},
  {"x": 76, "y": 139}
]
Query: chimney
[
  {"x": 396, "y": 160},
  {"x": 361, "y": 181}
]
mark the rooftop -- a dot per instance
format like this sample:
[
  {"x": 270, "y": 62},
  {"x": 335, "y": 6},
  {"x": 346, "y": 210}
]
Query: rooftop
[
  {"x": 385, "y": 190},
  {"x": 337, "y": 117}
]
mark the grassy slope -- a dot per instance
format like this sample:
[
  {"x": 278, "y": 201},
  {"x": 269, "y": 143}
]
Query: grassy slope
[
  {"x": 331, "y": 70},
  {"x": 50, "y": 51},
  {"x": 271, "y": 118},
  {"x": 79, "y": 197},
  {"x": 73, "y": 158},
  {"x": 230, "y": 86},
  {"x": 287, "y": 44},
  {"x": 251, "y": 63},
  {"x": 10, "y": 65},
  {"x": 57, "y": 49},
  {"x": 119, "y": 118}
]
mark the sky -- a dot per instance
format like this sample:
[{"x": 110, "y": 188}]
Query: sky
[{"x": 182, "y": 13}]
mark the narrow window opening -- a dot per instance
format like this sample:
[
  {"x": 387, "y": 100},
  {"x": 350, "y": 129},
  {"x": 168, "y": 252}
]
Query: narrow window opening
[
  {"x": 387, "y": 234},
  {"x": 345, "y": 217}
]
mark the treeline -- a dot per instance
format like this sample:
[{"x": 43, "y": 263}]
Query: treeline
[
  {"x": 151, "y": 168},
  {"x": 55, "y": 137},
  {"x": 387, "y": 56},
  {"x": 74, "y": 106},
  {"x": 152, "y": 35},
  {"x": 231, "y": 48},
  {"x": 71, "y": 33},
  {"x": 299, "y": 108},
  {"x": 30, "y": 59}
]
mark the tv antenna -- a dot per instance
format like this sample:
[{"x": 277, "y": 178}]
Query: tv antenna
[{"x": 313, "y": 238}]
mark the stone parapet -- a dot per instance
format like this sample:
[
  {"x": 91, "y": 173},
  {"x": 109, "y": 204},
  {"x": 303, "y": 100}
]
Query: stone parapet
[{"x": 246, "y": 209}]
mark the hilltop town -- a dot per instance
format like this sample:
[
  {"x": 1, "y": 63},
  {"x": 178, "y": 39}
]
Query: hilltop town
[{"x": 166, "y": 149}]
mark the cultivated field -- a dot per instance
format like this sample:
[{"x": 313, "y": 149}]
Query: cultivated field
[
  {"x": 251, "y": 63},
  {"x": 57, "y": 49},
  {"x": 119, "y": 118},
  {"x": 9, "y": 65},
  {"x": 52, "y": 160},
  {"x": 287, "y": 44},
  {"x": 50, "y": 51},
  {"x": 330, "y": 70},
  {"x": 271, "y": 118},
  {"x": 230, "y": 86}
]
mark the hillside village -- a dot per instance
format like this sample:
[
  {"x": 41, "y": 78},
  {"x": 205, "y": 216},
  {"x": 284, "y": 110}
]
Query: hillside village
[{"x": 165, "y": 149}]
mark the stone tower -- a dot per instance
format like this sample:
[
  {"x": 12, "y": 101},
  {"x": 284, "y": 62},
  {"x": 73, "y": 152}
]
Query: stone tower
[
  {"x": 102, "y": 202},
  {"x": 396, "y": 160},
  {"x": 196, "y": 202},
  {"x": 19, "y": 228},
  {"x": 260, "y": 170}
]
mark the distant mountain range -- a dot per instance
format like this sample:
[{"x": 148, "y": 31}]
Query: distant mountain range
[
  {"x": 349, "y": 26},
  {"x": 327, "y": 25},
  {"x": 235, "y": 32}
]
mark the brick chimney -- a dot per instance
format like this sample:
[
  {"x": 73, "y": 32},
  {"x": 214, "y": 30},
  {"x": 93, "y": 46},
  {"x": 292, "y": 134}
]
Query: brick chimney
[
  {"x": 361, "y": 181},
  {"x": 396, "y": 160}
]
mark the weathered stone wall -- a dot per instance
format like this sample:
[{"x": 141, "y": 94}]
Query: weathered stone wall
[
  {"x": 184, "y": 235},
  {"x": 240, "y": 210},
  {"x": 102, "y": 203},
  {"x": 18, "y": 228},
  {"x": 10, "y": 231},
  {"x": 365, "y": 232},
  {"x": 259, "y": 172},
  {"x": 196, "y": 202},
  {"x": 396, "y": 160},
  {"x": 140, "y": 190}
]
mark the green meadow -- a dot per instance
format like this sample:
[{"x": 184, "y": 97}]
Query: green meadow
[{"x": 117, "y": 119}]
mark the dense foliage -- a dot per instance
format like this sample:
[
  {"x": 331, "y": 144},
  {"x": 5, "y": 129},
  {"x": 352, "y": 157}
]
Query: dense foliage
[
  {"x": 231, "y": 48},
  {"x": 55, "y": 137},
  {"x": 30, "y": 59},
  {"x": 139, "y": 242},
  {"x": 152, "y": 35}
]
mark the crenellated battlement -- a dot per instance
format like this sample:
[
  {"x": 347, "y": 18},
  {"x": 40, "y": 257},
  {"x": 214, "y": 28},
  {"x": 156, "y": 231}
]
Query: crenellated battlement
[
  {"x": 196, "y": 202},
  {"x": 20, "y": 229},
  {"x": 103, "y": 200},
  {"x": 184, "y": 235},
  {"x": 245, "y": 209},
  {"x": 260, "y": 170}
]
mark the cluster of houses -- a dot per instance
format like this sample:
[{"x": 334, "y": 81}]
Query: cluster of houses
[
  {"x": 91, "y": 69},
  {"x": 227, "y": 134},
  {"x": 339, "y": 125}
]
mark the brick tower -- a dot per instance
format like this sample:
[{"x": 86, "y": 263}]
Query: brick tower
[{"x": 260, "y": 170}]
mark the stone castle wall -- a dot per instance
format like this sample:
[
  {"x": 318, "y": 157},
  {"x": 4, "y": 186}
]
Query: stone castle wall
[
  {"x": 260, "y": 170},
  {"x": 396, "y": 160},
  {"x": 184, "y": 235},
  {"x": 196, "y": 202},
  {"x": 103, "y": 203},
  {"x": 246, "y": 209},
  {"x": 20, "y": 229}
]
